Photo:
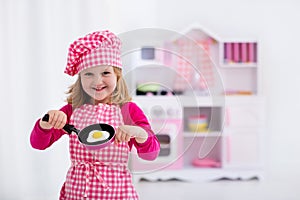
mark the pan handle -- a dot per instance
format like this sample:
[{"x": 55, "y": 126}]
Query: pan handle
[{"x": 68, "y": 127}]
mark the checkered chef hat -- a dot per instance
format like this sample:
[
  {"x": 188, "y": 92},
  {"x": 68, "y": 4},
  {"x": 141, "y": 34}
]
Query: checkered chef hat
[{"x": 97, "y": 48}]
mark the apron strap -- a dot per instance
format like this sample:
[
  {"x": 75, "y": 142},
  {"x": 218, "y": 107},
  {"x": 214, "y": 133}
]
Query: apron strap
[{"x": 92, "y": 166}]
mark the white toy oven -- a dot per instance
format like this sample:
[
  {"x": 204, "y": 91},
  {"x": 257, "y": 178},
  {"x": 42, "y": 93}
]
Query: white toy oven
[{"x": 165, "y": 118}]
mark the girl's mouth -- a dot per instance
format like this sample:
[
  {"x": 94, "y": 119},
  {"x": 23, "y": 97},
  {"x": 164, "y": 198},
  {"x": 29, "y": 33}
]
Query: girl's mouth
[{"x": 99, "y": 89}]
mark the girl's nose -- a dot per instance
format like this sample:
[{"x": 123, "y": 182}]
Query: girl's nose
[{"x": 98, "y": 79}]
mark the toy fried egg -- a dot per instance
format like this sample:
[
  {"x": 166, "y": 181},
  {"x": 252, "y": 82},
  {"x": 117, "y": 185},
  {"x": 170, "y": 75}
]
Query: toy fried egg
[{"x": 96, "y": 136}]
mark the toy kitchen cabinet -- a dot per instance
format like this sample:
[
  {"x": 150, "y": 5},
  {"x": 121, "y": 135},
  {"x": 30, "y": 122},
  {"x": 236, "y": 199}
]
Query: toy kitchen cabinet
[{"x": 201, "y": 94}]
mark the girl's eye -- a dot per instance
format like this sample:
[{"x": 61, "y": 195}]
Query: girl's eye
[
  {"x": 88, "y": 74},
  {"x": 106, "y": 73}
]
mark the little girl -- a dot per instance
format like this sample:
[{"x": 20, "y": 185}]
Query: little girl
[{"x": 99, "y": 95}]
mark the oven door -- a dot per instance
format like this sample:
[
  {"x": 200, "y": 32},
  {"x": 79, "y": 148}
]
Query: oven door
[{"x": 171, "y": 141}]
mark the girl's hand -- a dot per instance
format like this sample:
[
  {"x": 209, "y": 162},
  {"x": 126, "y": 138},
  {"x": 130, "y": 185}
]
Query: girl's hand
[
  {"x": 57, "y": 120},
  {"x": 125, "y": 132}
]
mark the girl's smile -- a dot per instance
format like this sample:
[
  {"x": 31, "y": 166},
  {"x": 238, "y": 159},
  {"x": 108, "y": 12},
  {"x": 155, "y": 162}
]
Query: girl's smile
[{"x": 99, "y": 88}]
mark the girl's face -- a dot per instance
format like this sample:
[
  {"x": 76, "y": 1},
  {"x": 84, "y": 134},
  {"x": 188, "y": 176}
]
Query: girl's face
[{"x": 99, "y": 82}]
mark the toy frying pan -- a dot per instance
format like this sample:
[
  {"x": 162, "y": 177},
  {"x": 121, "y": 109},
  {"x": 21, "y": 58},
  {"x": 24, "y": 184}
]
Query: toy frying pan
[{"x": 93, "y": 137}]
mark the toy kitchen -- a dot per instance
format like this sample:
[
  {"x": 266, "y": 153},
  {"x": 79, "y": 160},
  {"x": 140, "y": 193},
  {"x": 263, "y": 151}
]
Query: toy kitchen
[{"x": 182, "y": 89}]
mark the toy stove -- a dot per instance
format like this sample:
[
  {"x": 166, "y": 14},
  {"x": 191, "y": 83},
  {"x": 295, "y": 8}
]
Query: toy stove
[{"x": 165, "y": 117}]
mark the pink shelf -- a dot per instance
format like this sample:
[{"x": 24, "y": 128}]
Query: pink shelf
[{"x": 240, "y": 52}]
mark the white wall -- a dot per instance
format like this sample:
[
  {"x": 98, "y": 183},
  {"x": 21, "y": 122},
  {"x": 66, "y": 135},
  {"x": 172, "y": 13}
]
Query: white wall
[{"x": 34, "y": 38}]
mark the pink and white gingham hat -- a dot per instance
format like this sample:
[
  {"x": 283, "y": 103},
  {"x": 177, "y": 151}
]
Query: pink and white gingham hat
[{"x": 94, "y": 49}]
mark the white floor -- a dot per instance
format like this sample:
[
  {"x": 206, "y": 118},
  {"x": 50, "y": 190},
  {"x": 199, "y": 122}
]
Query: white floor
[{"x": 279, "y": 188}]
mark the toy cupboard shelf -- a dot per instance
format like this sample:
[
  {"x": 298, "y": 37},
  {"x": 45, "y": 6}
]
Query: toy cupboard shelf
[
  {"x": 203, "y": 144},
  {"x": 213, "y": 114},
  {"x": 188, "y": 134},
  {"x": 238, "y": 53},
  {"x": 238, "y": 66}
]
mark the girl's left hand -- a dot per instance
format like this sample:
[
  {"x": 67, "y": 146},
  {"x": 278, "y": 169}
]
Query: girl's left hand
[{"x": 125, "y": 132}]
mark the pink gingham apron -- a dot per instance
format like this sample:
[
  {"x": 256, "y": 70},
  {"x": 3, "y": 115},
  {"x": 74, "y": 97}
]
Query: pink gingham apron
[{"x": 98, "y": 174}]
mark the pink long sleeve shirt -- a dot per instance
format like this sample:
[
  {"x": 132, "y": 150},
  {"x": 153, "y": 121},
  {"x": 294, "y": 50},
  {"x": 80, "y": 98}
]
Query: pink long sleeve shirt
[{"x": 132, "y": 115}]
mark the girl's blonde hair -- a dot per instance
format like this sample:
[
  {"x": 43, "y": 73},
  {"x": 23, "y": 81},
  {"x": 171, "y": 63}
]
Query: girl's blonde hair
[{"x": 77, "y": 96}]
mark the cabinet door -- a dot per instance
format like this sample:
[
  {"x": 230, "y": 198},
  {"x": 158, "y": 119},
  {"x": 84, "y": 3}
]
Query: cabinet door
[
  {"x": 245, "y": 114},
  {"x": 243, "y": 148}
]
